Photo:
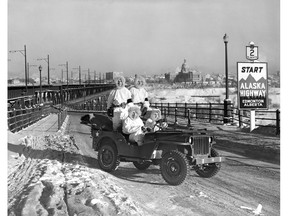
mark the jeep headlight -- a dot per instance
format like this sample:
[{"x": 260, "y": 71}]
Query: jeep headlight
[
  {"x": 210, "y": 139},
  {"x": 191, "y": 140}
]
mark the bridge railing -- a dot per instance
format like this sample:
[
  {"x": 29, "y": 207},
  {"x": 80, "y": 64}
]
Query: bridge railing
[
  {"x": 214, "y": 113},
  {"x": 23, "y": 117},
  {"x": 210, "y": 112}
]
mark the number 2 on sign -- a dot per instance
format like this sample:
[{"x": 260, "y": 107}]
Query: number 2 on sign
[{"x": 252, "y": 52}]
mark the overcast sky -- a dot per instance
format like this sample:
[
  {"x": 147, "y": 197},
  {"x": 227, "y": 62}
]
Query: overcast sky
[{"x": 141, "y": 37}]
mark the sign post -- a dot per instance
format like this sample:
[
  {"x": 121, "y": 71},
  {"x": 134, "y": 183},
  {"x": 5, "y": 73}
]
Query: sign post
[
  {"x": 252, "y": 55},
  {"x": 252, "y": 84}
]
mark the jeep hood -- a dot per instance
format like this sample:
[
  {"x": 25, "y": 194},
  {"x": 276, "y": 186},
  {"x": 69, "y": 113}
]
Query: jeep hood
[{"x": 179, "y": 136}]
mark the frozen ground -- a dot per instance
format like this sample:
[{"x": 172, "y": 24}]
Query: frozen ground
[
  {"x": 47, "y": 176},
  {"x": 168, "y": 94}
]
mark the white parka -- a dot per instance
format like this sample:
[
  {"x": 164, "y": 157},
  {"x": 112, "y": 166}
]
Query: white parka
[
  {"x": 138, "y": 92},
  {"x": 120, "y": 94}
]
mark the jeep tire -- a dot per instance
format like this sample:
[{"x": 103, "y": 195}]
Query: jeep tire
[
  {"x": 142, "y": 165},
  {"x": 173, "y": 166},
  {"x": 107, "y": 156},
  {"x": 209, "y": 170}
]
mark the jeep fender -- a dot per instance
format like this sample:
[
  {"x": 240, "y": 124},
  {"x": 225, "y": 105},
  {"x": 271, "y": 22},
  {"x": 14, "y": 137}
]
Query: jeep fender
[{"x": 182, "y": 147}]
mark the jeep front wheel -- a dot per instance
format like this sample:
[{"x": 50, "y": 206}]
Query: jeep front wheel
[
  {"x": 107, "y": 157},
  {"x": 173, "y": 166},
  {"x": 209, "y": 170},
  {"x": 142, "y": 165}
]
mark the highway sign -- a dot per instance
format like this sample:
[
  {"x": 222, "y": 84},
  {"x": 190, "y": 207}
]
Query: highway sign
[
  {"x": 252, "y": 85},
  {"x": 252, "y": 52}
]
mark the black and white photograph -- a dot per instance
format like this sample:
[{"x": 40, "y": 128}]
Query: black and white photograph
[{"x": 143, "y": 107}]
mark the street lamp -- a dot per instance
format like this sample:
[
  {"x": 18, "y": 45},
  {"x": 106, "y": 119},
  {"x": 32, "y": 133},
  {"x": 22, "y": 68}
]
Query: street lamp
[
  {"x": 226, "y": 101},
  {"x": 47, "y": 60},
  {"x": 225, "y": 39},
  {"x": 40, "y": 69},
  {"x": 23, "y": 52}
]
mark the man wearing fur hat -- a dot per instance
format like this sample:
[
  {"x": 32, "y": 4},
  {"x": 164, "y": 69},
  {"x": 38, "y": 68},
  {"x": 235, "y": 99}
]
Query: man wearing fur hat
[
  {"x": 139, "y": 93},
  {"x": 134, "y": 126},
  {"x": 118, "y": 102}
]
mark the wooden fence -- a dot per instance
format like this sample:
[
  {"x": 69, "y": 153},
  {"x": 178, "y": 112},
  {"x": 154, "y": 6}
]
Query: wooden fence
[
  {"x": 23, "y": 117},
  {"x": 214, "y": 112}
]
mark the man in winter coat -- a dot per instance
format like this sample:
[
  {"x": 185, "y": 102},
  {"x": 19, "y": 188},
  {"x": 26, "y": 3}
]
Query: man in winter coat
[
  {"x": 119, "y": 100},
  {"x": 134, "y": 126},
  {"x": 139, "y": 94}
]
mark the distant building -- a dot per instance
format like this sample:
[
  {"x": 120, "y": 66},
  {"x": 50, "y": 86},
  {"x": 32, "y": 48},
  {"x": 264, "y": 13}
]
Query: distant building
[
  {"x": 191, "y": 76},
  {"x": 187, "y": 74}
]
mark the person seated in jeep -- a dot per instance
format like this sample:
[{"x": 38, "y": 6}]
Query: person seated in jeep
[
  {"x": 119, "y": 100},
  {"x": 153, "y": 122},
  {"x": 134, "y": 126}
]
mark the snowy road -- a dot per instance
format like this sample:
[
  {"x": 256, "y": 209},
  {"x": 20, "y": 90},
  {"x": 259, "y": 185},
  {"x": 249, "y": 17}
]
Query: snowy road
[{"x": 240, "y": 186}]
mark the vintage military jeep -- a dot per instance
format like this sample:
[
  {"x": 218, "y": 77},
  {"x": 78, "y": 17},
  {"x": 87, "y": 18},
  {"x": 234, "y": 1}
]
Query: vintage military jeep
[{"x": 173, "y": 149}]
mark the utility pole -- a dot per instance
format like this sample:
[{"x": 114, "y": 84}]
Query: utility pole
[
  {"x": 40, "y": 69},
  {"x": 79, "y": 75},
  {"x": 88, "y": 76},
  {"x": 61, "y": 76},
  {"x": 48, "y": 70},
  {"x": 28, "y": 70},
  {"x": 25, "y": 59},
  {"x": 67, "y": 73},
  {"x": 25, "y": 56}
]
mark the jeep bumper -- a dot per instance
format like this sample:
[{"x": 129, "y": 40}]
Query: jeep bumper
[{"x": 209, "y": 160}]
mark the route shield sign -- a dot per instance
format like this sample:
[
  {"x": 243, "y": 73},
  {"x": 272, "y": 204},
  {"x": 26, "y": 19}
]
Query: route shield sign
[
  {"x": 252, "y": 85},
  {"x": 252, "y": 53}
]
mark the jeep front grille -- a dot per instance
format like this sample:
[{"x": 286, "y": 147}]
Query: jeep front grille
[{"x": 201, "y": 145}]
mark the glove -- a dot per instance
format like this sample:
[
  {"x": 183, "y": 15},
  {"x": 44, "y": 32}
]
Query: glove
[
  {"x": 110, "y": 111},
  {"x": 164, "y": 124},
  {"x": 146, "y": 104},
  {"x": 123, "y": 105},
  {"x": 144, "y": 129}
]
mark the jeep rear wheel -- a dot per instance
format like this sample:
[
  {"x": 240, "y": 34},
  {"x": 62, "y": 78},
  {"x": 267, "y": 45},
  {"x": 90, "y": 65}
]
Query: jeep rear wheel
[
  {"x": 142, "y": 165},
  {"x": 107, "y": 157},
  {"x": 209, "y": 170},
  {"x": 173, "y": 167}
]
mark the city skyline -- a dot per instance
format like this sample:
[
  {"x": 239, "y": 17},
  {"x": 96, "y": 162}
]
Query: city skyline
[{"x": 141, "y": 37}]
